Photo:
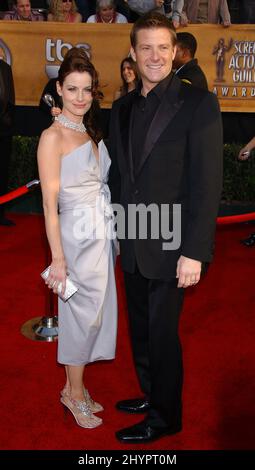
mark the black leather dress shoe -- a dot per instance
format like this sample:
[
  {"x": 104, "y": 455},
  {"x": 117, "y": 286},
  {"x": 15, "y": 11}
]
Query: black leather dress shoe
[
  {"x": 142, "y": 432},
  {"x": 6, "y": 222},
  {"x": 135, "y": 405},
  {"x": 249, "y": 241}
]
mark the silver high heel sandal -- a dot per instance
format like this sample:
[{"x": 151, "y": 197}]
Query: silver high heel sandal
[
  {"x": 93, "y": 405},
  {"x": 81, "y": 412}
]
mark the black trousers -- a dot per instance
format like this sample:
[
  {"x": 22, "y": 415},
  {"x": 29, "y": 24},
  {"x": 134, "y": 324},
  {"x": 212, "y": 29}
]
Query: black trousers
[
  {"x": 5, "y": 156},
  {"x": 154, "y": 308}
]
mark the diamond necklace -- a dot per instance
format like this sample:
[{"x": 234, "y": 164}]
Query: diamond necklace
[{"x": 70, "y": 124}]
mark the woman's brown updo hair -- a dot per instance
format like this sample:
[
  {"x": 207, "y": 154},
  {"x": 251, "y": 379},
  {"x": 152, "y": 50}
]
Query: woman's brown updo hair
[{"x": 76, "y": 60}]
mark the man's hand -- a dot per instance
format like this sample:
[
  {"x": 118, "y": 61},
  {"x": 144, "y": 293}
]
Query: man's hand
[
  {"x": 159, "y": 3},
  {"x": 188, "y": 271},
  {"x": 176, "y": 24}
]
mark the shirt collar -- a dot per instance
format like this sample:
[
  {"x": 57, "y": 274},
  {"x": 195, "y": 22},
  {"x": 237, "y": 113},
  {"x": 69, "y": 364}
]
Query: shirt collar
[
  {"x": 159, "y": 89},
  {"x": 190, "y": 62}
]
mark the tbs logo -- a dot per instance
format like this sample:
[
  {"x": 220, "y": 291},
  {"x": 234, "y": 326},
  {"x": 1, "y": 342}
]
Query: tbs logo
[
  {"x": 54, "y": 51},
  {"x": 5, "y": 52}
]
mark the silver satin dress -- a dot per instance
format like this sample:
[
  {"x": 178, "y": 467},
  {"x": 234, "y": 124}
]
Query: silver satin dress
[{"x": 88, "y": 320}]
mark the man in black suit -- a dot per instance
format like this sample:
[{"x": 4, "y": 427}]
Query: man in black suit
[
  {"x": 186, "y": 65},
  {"x": 166, "y": 149},
  {"x": 7, "y": 101}
]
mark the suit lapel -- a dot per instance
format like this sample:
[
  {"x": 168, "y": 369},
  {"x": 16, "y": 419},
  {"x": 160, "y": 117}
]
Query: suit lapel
[
  {"x": 189, "y": 65},
  {"x": 166, "y": 111},
  {"x": 125, "y": 118}
]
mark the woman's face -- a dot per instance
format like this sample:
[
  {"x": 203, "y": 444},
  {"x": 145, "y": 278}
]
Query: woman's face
[
  {"x": 76, "y": 94},
  {"x": 106, "y": 13},
  {"x": 67, "y": 5},
  {"x": 127, "y": 72}
]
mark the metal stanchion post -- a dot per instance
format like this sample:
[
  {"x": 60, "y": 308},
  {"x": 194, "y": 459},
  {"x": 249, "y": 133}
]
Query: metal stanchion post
[
  {"x": 39, "y": 328},
  {"x": 43, "y": 328},
  {"x": 47, "y": 328}
]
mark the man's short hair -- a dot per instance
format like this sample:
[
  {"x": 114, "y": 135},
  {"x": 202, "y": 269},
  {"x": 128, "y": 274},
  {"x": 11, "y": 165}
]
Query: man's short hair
[
  {"x": 187, "y": 41},
  {"x": 152, "y": 20},
  {"x": 16, "y": 2}
]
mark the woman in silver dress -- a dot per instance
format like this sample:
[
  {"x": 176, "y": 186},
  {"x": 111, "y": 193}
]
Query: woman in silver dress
[{"x": 73, "y": 166}]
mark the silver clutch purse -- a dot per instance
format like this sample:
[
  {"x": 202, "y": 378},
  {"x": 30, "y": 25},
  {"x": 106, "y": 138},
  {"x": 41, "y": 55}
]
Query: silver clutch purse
[{"x": 70, "y": 287}]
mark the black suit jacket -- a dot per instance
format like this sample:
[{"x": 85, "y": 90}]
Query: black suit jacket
[
  {"x": 7, "y": 99},
  {"x": 193, "y": 73},
  {"x": 181, "y": 163}
]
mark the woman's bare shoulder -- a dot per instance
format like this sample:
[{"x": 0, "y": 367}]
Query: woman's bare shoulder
[
  {"x": 52, "y": 138},
  {"x": 50, "y": 142},
  {"x": 52, "y": 134}
]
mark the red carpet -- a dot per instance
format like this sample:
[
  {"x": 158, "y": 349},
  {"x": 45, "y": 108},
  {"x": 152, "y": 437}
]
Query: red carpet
[{"x": 217, "y": 329}]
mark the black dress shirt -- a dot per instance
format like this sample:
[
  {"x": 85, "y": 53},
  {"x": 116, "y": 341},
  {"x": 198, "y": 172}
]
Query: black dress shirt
[{"x": 143, "y": 111}]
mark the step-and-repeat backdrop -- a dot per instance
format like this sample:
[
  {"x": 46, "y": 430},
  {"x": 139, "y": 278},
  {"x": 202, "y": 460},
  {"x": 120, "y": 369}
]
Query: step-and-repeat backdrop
[{"x": 35, "y": 51}]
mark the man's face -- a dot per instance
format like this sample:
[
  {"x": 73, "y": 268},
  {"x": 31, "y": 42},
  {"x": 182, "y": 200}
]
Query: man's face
[
  {"x": 154, "y": 54},
  {"x": 24, "y": 8},
  {"x": 179, "y": 57}
]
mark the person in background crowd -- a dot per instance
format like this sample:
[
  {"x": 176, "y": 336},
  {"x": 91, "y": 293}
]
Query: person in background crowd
[
  {"x": 166, "y": 147},
  {"x": 64, "y": 11},
  {"x": 173, "y": 10},
  {"x": 88, "y": 8},
  {"x": 73, "y": 167},
  {"x": 106, "y": 13},
  {"x": 244, "y": 155},
  {"x": 23, "y": 12},
  {"x": 7, "y": 104},
  {"x": 186, "y": 65},
  {"x": 129, "y": 76},
  {"x": 144, "y": 6},
  {"x": 207, "y": 11}
]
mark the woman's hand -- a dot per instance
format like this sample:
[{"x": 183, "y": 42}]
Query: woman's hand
[
  {"x": 57, "y": 276},
  {"x": 244, "y": 153},
  {"x": 55, "y": 111}
]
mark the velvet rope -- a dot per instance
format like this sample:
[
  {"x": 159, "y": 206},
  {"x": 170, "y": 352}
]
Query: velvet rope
[
  {"x": 230, "y": 219},
  {"x": 236, "y": 219},
  {"x": 19, "y": 191}
]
